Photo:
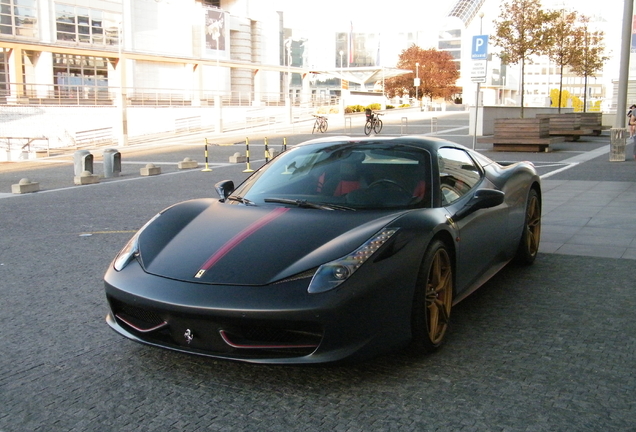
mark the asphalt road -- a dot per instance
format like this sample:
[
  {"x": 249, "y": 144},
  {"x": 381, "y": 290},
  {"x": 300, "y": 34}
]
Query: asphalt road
[{"x": 543, "y": 348}]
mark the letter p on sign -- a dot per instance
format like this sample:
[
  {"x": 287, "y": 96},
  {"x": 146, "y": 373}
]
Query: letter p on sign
[{"x": 480, "y": 47}]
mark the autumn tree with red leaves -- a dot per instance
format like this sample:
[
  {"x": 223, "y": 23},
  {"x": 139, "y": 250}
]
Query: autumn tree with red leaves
[{"x": 437, "y": 72}]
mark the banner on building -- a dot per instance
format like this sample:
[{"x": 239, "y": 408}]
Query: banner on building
[
  {"x": 215, "y": 29},
  {"x": 633, "y": 44}
]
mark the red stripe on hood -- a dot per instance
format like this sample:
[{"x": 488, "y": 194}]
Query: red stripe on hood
[{"x": 237, "y": 239}]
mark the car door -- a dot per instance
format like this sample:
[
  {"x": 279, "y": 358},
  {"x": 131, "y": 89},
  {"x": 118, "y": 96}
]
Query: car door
[{"x": 479, "y": 249}]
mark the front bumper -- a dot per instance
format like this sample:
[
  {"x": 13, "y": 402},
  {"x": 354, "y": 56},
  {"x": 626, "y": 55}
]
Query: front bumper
[{"x": 278, "y": 323}]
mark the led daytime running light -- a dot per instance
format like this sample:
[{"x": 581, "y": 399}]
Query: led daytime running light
[
  {"x": 131, "y": 249},
  {"x": 330, "y": 275}
]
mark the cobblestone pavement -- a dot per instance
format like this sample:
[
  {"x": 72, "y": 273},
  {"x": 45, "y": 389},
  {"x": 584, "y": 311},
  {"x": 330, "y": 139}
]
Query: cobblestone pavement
[{"x": 543, "y": 348}]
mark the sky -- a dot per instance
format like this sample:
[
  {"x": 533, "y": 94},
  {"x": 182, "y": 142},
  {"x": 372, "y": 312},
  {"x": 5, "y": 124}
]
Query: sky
[{"x": 330, "y": 14}]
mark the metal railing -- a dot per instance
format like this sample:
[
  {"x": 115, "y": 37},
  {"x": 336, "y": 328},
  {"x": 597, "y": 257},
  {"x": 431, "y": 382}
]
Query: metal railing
[
  {"x": 13, "y": 148},
  {"x": 99, "y": 95},
  {"x": 94, "y": 136}
]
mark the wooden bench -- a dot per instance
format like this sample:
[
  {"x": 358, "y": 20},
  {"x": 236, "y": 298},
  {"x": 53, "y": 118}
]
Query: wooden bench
[
  {"x": 567, "y": 125},
  {"x": 593, "y": 121},
  {"x": 522, "y": 134}
]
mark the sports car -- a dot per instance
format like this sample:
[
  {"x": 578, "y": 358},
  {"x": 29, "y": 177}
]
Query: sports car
[{"x": 337, "y": 249}]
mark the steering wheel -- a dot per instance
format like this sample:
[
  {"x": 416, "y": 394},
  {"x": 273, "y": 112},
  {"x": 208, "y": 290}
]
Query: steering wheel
[{"x": 390, "y": 183}]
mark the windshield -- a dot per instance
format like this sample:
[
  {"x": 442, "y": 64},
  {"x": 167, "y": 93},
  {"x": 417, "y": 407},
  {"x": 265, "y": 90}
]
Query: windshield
[{"x": 344, "y": 176}]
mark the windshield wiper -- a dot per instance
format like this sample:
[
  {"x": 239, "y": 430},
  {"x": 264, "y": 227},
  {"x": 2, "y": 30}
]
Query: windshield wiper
[
  {"x": 307, "y": 204},
  {"x": 240, "y": 199}
]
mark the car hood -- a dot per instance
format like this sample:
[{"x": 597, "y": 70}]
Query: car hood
[{"x": 208, "y": 241}]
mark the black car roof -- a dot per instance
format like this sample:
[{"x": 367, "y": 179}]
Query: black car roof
[{"x": 421, "y": 141}]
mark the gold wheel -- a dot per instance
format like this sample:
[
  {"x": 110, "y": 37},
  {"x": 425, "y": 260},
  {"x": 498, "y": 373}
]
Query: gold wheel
[
  {"x": 439, "y": 296},
  {"x": 531, "y": 235},
  {"x": 533, "y": 225},
  {"x": 433, "y": 299}
]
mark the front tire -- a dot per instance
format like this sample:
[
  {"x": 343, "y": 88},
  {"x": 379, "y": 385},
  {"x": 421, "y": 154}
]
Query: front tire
[
  {"x": 531, "y": 234},
  {"x": 367, "y": 127},
  {"x": 433, "y": 299},
  {"x": 323, "y": 126}
]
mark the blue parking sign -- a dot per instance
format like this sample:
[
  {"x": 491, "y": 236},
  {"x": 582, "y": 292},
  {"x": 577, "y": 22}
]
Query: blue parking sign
[{"x": 479, "y": 50}]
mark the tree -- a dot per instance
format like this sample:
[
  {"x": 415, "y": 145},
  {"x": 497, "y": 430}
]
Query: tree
[
  {"x": 522, "y": 31},
  {"x": 564, "y": 44},
  {"x": 437, "y": 72},
  {"x": 590, "y": 59}
]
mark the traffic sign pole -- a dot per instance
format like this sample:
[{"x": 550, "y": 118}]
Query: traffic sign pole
[{"x": 479, "y": 54}]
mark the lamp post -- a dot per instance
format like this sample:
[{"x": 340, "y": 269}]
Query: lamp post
[
  {"x": 417, "y": 82},
  {"x": 121, "y": 65},
  {"x": 341, "y": 72},
  {"x": 288, "y": 47}
]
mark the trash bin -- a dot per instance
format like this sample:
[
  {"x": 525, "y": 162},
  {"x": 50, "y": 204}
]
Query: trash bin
[
  {"x": 82, "y": 161},
  {"x": 112, "y": 163},
  {"x": 618, "y": 142}
]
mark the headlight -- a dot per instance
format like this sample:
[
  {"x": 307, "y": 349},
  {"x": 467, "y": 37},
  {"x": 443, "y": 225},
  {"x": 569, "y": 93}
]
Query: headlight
[
  {"x": 131, "y": 249},
  {"x": 330, "y": 275},
  {"x": 127, "y": 253}
]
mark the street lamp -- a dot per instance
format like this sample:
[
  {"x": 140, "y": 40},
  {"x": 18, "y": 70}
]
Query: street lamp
[
  {"x": 417, "y": 81},
  {"x": 288, "y": 47}
]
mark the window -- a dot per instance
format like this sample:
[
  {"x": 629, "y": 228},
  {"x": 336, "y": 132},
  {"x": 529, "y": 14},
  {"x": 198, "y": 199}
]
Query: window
[
  {"x": 4, "y": 71},
  {"x": 367, "y": 176},
  {"x": 458, "y": 174},
  {"x": 85, "y": 25},
  {"x": 18, "y": 18},
  {"x": 80, "y": 76}
]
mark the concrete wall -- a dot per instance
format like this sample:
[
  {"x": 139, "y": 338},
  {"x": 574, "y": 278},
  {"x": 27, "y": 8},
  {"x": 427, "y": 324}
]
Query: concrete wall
[{"x": 61, "y": 124}]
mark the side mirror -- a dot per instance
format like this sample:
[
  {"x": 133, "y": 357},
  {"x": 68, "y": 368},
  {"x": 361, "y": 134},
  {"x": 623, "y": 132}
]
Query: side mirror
[
  {"x": 224, "y": 188},
  {"x": 483, "y": 198}
]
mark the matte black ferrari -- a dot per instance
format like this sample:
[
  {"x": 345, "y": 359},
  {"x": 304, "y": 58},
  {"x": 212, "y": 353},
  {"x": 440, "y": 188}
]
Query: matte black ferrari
[{"x": 339, "y": 248}]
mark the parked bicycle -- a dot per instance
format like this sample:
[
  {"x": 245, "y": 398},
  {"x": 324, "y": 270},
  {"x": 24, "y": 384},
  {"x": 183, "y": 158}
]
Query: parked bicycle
[
  {"x": 320, "y": 124},
  {"x": 373, "y": 122}
]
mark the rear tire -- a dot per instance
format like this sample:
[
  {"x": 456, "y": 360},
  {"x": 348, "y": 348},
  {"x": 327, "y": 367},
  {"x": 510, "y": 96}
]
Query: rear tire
[
  {"x": 378, "y": 126},
  {"x": 323, "y": 126},
  {"x": 531, "y": 234},
  {"x": 433, "y": 299}
]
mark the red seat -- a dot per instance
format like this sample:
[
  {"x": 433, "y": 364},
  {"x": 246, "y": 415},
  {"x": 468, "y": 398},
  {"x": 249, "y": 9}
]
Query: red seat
[
  {"x": 420, "y": 190},
  {"x": 346, "y": 186}
]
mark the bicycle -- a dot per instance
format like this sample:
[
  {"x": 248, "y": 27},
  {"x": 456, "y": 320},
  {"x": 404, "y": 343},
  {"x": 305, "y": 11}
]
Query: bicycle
[
  {"x": 320, "y": 124},
  {"x": 373, "y": 123}
]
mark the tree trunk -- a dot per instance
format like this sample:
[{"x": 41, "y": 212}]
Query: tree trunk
[
  {"x": 523, "y": 71},
  {"x": 560, "y": 88},
  {"x": 585, "y": 94}
]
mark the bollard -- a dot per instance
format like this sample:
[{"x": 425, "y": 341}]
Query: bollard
[
  {"x": 238, "y": 158},
  {"x": 404, "y": 126},
  {"x": 206, "y": 169},
  {"x": 150, "y": 170},
  {"x": 86, "y": 177},
  {"x": 25, "y": 186},
  {"x": 112, "y": 163},
  {"x": 266, "y": 151},
  {"x": 284, "y": 144},
  {"x": 247, "y": 156},
  {"x": 82, "y": 161},
  {"x": 187, "y": 163}
]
